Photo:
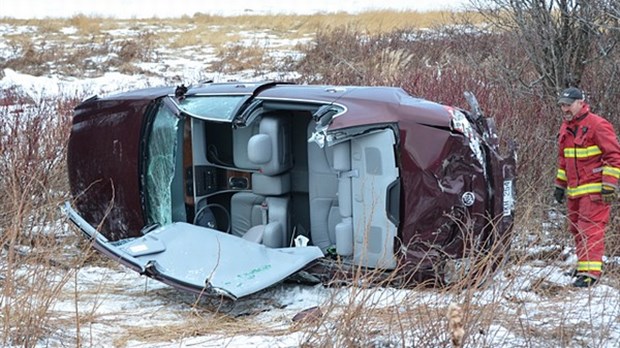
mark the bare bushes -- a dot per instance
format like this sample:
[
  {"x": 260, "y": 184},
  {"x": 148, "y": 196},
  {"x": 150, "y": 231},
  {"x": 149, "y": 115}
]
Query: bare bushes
[
  {"x": 88, "y": 56},
  {"x": 348, "y": 56},
  {"x": 138, "y": 49},
  {"x": 33, "y": 181},
  {"x": 33, "y": 138},
  {"x": 239, "y": 57},
  {"x": 561, "y": 39},
  {"x": 27, "y": 55}
]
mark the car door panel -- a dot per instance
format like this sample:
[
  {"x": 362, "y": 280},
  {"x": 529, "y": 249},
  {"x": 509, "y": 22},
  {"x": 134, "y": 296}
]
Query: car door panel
[{"x": 202, "y": 259}]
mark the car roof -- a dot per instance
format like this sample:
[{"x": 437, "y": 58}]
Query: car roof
[{"x": 363, "y": 104}]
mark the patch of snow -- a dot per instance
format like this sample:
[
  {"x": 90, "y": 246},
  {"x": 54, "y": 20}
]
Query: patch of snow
[
  {"x": 69, "y": 30},
  {"x": 45, "y": 87}
]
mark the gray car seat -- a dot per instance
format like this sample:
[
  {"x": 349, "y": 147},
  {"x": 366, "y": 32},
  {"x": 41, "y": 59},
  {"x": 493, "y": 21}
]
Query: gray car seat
[
  {"x": 263, "y": 215},
  {"x": 330, "y": 197},
  {"x": 322, "y": 193}
]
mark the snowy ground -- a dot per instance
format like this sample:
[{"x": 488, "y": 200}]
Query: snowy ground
[
  {"x": 528, "y": 304},
  {"x": 533, "y": 301}
]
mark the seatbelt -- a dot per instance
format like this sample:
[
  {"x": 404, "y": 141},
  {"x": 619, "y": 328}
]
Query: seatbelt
[{"x": 265, "y": 212}]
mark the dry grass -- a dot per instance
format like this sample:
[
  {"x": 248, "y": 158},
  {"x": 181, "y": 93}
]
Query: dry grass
[
  {"x": 299, "y": 25},
  {"x": 77, "y": 44},
  {"x": 474, "y": 311},
  {"x": 194, "y": 324},
  {"x": 33, "y": 265},
  {"x": 200, "y": 37},
  {"x": 295, "y": 25},
  {"x": 239, "y": 57}
]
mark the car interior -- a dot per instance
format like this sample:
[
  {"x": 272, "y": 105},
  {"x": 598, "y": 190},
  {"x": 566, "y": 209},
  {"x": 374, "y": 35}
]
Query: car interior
[{"x": 266, "y": 183}]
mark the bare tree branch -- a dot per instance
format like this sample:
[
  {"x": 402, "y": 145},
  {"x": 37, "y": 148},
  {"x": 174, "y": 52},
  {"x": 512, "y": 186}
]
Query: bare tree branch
[{"x": 559, "y": 37}]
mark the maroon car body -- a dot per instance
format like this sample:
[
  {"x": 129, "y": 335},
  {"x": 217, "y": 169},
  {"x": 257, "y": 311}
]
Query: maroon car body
[{"x": 365, "y": 176}]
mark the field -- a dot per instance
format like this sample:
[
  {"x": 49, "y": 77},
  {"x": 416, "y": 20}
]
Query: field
[{"x": 55, "y": 291}]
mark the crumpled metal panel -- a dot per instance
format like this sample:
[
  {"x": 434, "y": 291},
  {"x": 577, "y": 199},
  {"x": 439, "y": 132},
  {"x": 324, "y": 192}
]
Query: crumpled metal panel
[
  {"x": 456, "y": 192},
  {"x": 202, "y": 260}
]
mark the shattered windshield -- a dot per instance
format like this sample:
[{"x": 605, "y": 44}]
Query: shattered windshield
[
  {"x": 163, "y": 158},
  {"x": 218, "y": 107}
]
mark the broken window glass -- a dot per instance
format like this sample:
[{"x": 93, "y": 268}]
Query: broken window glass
[{"x": 160, "y": 166}]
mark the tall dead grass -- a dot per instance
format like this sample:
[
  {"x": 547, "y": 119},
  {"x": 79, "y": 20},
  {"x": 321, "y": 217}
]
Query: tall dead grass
[
  {"x": 33, "y": 263},
  {"x": 298, "y": 25},
  {"x": 239, "y": 57}
]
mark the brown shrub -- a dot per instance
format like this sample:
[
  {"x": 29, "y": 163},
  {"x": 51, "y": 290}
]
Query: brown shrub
[
  {"x": 238, "y": 57},
  {"x": 139, "y": 49},
  {"x": 32, "y": 177}
]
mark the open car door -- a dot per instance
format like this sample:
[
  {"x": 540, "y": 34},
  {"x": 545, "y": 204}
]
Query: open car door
[{"x": 202, "y": 260}]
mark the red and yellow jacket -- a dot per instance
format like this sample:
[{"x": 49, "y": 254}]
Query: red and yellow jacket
[{"x": 589, "y": 155}]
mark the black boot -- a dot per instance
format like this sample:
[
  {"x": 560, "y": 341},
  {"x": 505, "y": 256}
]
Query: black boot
[
  {"x": 572, "y": 273},
  {"x": 584, "y": 281}
]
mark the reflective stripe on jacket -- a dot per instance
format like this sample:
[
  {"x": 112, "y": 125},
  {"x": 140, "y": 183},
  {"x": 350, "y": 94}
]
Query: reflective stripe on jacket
[{"x": 589, "y": 155}]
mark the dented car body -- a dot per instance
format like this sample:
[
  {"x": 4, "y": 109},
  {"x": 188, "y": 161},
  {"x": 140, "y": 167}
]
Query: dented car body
[{"x": 229, "y": 188}]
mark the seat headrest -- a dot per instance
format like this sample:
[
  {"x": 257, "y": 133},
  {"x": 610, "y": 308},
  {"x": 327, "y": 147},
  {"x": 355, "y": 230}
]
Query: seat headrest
[
  {"x": 260, "y": 149},
  {"x": 271, "y": 148}
]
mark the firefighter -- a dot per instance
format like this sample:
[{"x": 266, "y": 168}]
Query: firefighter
[{"x": 588, "y": 172}]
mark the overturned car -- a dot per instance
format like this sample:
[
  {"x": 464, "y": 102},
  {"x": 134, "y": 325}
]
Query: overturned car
[{"x": 228, "y": 188}]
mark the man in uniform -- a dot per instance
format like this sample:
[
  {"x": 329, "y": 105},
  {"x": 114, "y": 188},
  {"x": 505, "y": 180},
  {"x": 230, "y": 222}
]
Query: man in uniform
[{"x": 588, "y": 172}]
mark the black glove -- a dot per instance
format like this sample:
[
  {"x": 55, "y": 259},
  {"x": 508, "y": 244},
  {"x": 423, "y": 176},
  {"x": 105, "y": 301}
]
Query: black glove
[
  {"x": 559, "y": 194},
  {"x": 609, "y": 194}
]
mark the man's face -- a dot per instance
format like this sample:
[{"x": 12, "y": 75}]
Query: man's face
[{"x": 569, "y": 111}]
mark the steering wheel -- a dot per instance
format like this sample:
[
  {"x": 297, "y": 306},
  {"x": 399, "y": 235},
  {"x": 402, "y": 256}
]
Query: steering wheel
[{"x": 213, "y": 216}]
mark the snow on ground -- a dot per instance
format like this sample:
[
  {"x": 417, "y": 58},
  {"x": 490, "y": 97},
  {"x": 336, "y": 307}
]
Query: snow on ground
[
  {"x": 137, "y": 302},
  {"x": 45, "y": 87},
  {"x": 120, "y": 302}
]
